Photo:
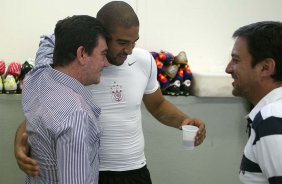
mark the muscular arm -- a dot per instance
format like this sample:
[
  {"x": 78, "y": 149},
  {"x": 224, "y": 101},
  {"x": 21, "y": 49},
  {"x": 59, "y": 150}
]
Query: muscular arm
[
  {"x": 163, "y": 110},
  {"x": 21, "y": 149},
  {"x": 170, "y": 115}
]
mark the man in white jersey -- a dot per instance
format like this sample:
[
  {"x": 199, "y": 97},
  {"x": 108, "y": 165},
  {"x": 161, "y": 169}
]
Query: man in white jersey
[
  {"x": 131, "y": 78},
  {"x": 256, "y": 67}
]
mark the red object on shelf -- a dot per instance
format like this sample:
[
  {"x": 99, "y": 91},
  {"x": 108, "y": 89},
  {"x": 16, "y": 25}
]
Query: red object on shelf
[
  {"x": 2, "y": 67},
  {"x": 14, "y": 69}
]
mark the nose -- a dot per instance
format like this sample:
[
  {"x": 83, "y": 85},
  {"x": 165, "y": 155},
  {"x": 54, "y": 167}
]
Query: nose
[
  {"x": 128, "y": 49},
  {"x": 228, "y": 68},
  {"x": 106, "y": 62}
]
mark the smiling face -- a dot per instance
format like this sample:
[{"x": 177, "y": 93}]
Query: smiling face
[
  {"x": 245, "y": 76},
  {"x": 121, "y": 44}
]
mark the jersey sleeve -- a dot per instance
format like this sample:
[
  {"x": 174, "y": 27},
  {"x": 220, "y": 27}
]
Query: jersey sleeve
[{"x": 153, "y": 83}]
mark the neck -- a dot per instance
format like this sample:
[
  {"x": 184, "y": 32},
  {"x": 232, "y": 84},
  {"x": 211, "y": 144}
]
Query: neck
[{"x": 264, "y": 89}]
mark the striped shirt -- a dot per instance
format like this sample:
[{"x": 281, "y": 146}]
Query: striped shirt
[
  {"x": 44, "y": 54},
  {"x": 262, "y": 158},
  {"x": 62, "y": 127}
]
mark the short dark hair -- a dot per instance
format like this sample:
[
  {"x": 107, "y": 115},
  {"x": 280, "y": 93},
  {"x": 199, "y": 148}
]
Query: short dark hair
[
  {"x": 117, "y": 14},
  {"x": 73, "y": 32},
  {"x": 264, "y": 40}
]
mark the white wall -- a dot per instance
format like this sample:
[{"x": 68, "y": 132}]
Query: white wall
[
  {"x": 202, "y": 28},
  {"x": 23, "y": 22}
]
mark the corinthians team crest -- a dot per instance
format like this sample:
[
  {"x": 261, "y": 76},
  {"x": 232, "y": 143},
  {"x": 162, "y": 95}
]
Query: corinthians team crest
[{"x": 117, "y": 95}]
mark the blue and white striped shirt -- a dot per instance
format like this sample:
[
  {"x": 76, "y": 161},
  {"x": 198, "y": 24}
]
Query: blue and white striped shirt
[
  {"x": 62, "y": 127},
  {"x": 44, "y": 54},
  {"x": 262, "y": 162}
]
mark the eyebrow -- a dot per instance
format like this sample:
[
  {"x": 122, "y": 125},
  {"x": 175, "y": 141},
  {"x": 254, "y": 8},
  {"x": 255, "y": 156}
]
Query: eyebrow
[
  {"x": 122, "y": 40},
  {"x": 235, "y": 56}
]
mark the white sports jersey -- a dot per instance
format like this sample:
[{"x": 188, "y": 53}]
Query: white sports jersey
[{"x": 119, "y": 94}]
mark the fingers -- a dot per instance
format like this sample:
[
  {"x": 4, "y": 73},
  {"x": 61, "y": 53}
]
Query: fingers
[
  {"x": 29, "y": 167},
  {"x": 201, "y": 134},
  {"x": 21, "y": 145},
  {"x": 199, "y": 139},
  {"x": 21, "y": 149},
  {"x": 26, "y": 164}
]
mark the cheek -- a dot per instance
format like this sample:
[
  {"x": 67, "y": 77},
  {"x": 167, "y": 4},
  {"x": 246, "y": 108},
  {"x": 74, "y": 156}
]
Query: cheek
[
  {"x": 99, "y": 65},
  {"x": 240, "y": 71},
  {"x": 234, "y": 67},
  {"x": 110, "y": 55},
  {"x": 94, "y": 67},
  {"x": 115, "y": 49}
]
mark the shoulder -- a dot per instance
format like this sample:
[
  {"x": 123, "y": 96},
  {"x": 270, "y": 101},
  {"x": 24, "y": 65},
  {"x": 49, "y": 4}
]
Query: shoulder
[
  {"x": 272, "y": 110},
  {"x": 269, "y": 120},
  {"x": 142, "y": 57},
  {"x": 141, "y": 54},
  {"x": 63, "y": 103}
]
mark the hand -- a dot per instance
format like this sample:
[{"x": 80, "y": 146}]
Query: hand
[
  {"x": 201, "y": 134},
  {"x": 25, "y": 163}
]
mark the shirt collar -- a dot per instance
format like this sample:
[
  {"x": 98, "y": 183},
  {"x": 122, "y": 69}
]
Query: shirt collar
[{"x": 272, "y": 96}]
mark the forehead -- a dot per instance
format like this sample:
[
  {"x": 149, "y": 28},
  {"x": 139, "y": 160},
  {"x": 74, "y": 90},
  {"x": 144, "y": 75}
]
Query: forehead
[
  {"x": 126, "y": 34},
  {"x": 240, "y": 47},
  {"x": 101, "y": 45}
]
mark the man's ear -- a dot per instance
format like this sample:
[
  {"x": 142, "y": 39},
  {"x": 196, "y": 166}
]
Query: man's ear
[
  {"x": 267, "y": 67},
  {"x": 81, "y": 55}
]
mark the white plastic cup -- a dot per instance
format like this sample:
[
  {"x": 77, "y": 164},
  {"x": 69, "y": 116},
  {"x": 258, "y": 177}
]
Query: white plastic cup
[{"x": 189, "y": 134}]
